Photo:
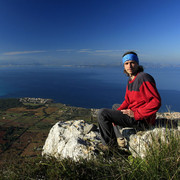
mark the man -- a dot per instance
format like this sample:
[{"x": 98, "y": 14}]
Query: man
[{"x": 139, "y": 108}]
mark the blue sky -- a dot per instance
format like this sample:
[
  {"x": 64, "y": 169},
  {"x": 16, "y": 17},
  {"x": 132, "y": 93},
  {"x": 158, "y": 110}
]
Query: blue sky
[{"x": 88, "y": 31}]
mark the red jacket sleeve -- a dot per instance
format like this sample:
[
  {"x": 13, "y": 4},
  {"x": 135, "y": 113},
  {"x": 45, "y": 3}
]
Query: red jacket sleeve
[{"x": 124, "y": 105}]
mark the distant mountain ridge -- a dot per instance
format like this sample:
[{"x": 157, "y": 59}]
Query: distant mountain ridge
[{"x": 145, "y": 64}]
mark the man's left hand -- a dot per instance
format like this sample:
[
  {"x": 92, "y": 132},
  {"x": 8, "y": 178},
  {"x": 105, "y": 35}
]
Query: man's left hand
[{"x": 129, "y": 112}]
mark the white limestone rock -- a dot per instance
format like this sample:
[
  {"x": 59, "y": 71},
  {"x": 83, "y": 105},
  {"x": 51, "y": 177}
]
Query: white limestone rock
[
  {"x": 139, "y": 143},
  {"x": 77, "y": 139},
  {"x": 72, "y": 139}
]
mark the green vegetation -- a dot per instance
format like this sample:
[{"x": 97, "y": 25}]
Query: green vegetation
[
  {"x": 11, "y": 134},
  {"x": 24, "y": 129},
  {"x": 162, "y": 162},
  {"x": 9, "y": 103}
]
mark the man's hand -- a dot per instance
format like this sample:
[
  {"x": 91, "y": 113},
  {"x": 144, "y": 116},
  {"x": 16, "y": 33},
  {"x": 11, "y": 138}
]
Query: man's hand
[{"x": 129, "y": 112}]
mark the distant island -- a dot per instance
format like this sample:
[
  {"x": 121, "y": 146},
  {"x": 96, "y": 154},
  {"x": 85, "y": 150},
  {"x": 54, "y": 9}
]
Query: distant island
[{"x": 145, "y": 64}]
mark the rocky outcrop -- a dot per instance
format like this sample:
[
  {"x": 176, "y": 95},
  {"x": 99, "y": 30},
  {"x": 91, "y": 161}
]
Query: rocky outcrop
[
  {"x": 140, "y": 143},
  {"x": 77, "y": 139},
  {"x": 169, "y": 115},
  {"x": 72, "y": 139},
  {"x": 35, "y": 100},
  {"x": 168, "y": 120}
]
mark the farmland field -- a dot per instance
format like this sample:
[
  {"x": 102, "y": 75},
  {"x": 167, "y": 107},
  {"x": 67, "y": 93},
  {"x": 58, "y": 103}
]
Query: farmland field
[{"x": 24, "y": 128}]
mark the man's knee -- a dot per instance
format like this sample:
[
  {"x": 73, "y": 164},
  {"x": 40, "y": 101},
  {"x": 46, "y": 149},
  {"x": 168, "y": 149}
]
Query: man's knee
[
  {"x": 115, "y": 106},
  {"x": 102, "y": 113}
]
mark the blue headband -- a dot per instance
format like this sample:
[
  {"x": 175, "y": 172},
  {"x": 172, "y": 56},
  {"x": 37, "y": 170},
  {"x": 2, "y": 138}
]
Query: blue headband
[{"x": 129, "y": 57}]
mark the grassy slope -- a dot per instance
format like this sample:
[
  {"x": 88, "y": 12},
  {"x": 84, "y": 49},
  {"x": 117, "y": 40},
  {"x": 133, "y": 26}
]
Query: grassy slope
[{"x": 24, "y": 128}]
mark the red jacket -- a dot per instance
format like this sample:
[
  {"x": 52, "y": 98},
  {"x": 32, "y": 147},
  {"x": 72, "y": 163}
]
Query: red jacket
[{"x": 142, "y": 98}]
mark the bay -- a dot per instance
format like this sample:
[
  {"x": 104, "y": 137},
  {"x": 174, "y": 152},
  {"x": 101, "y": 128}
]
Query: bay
[{"x": 89, "y": 87}]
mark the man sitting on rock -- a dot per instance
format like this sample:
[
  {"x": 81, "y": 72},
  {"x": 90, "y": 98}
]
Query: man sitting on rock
[{"x": 139, "y": 108}]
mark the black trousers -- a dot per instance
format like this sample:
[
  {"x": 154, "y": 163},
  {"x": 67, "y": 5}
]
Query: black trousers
[{"x": 108, "y": 117}]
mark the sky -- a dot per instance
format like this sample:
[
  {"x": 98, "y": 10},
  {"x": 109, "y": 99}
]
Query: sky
[{"x": 88, "y": 31}]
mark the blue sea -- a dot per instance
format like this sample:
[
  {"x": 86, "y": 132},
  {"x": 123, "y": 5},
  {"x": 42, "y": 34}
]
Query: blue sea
[{"x": 88, "y": 87}]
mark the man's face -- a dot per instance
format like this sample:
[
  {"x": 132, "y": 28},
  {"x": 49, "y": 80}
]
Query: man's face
[{"x": 131, "y": 67}]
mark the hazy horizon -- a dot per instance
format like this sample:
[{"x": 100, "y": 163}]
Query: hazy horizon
[
  {"x": 88, "y": 32},
  {"x": 115, "y": 63}
]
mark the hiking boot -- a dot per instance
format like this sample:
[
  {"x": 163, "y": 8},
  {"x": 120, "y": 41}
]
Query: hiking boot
[{"x": 121, "y": 142}]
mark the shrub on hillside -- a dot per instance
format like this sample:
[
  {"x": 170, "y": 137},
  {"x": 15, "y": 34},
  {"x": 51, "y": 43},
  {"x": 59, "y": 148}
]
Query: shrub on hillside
[{"x": 9, "y": 103}]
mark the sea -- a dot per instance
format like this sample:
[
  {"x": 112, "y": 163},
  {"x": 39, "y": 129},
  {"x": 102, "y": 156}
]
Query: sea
[{"x": 85, "y": 86}]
